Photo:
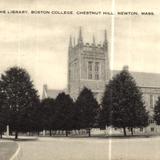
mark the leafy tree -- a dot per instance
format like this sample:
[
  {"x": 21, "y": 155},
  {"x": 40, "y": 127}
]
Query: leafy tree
[
  {"x": 157, "y": 112},
  {"x": 32, "y": 118},
  {"x": 48, "y": 117},
  {"x": 76, "y": 117},
  {"x": 64, "y": 112},
  {"x": 122, "y": 104},
  {"x": 87, "y": 107},
  {"x": 20, "y": 99},
  {"x": 3, "y": 114}
]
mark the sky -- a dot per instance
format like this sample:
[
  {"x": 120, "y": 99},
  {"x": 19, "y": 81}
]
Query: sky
[{"x": 39, "y": 42}]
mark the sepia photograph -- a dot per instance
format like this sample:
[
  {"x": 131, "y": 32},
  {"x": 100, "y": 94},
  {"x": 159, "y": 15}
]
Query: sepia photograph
[{"x": 79, "y": 80}]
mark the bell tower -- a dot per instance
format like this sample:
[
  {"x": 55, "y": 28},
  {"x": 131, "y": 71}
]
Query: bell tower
[{"x": 88, "y": 66}]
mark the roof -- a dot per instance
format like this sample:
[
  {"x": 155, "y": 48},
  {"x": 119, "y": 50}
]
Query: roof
[
  {"x": 144, "y": 79},
  {"x": 51, "y": 93}
]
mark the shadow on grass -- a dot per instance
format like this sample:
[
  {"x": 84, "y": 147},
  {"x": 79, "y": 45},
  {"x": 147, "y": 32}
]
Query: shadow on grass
[
  {"x": 101, "y": 136},
  {"x": 112, "y": 136},
  {"x": 21, "y": 138},
  {"x": 30, "y": 138},
  {"x": 7, "y": 149}
]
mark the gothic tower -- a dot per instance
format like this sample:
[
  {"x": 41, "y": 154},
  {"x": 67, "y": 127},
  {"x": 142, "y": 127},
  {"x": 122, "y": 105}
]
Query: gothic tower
[{"x": 88, "y": 66}]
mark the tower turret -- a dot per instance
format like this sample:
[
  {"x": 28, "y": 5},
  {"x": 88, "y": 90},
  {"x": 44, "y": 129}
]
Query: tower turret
[
  {"x": 80, "y": 38},
  {"x": 69, "y": 58},
  {"x": 105, "y": 46},
  {"x": 105, "y": 43}
]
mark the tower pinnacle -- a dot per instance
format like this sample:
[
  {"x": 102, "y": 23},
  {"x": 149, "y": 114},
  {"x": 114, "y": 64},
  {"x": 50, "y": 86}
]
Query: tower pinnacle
[
  {"x": 80, "y": 38},
  {"x": 105, "y": 38},
  {"x": 105, "y": 35}
]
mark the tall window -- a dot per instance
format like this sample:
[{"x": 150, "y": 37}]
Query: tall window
[
  {"x": 90, "y": 70},
  {"x": 74, "y": 71},
  {"x": 151, "y": 101},
  {"x": 97, "y": 71}
]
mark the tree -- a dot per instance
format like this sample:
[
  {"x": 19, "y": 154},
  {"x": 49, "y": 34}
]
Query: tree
[
  {"x": 48, "y": 117},
  {"x": 20, "y": 98},
  {"x": 32, "y": 118},
  {"x": 64, "y": 112},
  {"x": 87, "y": 107},
  {"x": 3, "y": 114},
  {"x": 122, "y": 104},
  {"x": 157, "y": 111}
]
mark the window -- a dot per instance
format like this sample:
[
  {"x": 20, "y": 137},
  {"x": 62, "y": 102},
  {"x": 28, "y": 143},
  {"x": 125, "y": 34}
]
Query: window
[
  {"x": 90, "y": 65},
  {"x": 93, "y": 70},
  {"x": 97, "y": 70},
  {"x": 97, "y": 76},
  {"x": 97, "y": 67},
  {"x": 90, "y": 70},
  {"x": 90, "y": 76},
  {"x": 73, "y": 71},
  {"x": 151, "y": 121},
  {"x": 141, "y": 129},
  {"x": 151, "y": 101},
  {"x": 152, "y": 129}
]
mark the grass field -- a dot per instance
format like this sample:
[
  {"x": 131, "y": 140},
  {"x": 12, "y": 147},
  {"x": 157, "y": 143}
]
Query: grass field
[
  {"x": 7, "y": 149},
  {"x": 62, "y": 148}
]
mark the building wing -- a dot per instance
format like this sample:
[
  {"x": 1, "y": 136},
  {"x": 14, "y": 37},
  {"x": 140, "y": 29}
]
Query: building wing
[
  {"x": 144, "y": 79},
  {"x": 51, "y": 93}
]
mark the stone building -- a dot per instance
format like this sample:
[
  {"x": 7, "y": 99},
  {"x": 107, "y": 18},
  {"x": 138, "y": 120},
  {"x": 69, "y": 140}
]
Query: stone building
[{"x": 88, "y": 66}]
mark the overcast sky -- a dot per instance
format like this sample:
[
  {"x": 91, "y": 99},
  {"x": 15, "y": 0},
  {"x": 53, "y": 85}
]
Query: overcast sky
[{"x": 39, "y": 43}]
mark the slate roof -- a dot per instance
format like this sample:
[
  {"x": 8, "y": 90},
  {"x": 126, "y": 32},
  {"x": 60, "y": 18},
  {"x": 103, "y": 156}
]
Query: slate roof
[
  {"x": 51, "y": 93},
  {"x": 144, "y": 79}
]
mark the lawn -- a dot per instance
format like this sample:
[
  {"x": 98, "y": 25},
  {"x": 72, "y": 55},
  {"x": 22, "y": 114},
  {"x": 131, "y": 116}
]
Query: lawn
[
  {"x": 62, "y": 148},
  {"x": 7, "y": 149}
]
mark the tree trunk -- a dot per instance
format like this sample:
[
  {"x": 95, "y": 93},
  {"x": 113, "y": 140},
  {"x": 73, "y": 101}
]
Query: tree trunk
[
  {"x": 124, "y": 131},
  {"x": 1, "y": 135},
  {"x": 50, "y": 132},
  {"x": 89, "y": 132},
  {"x": 66, "y": 133},
  {"x": 132, "y": 131},
  {"x": 16, "y": 134}
]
